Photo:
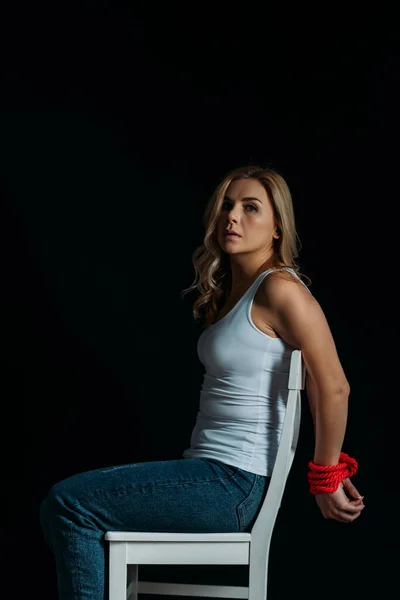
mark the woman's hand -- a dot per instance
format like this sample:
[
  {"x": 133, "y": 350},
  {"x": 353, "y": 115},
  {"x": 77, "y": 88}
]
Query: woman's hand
[{"x": 345, "y": 504}]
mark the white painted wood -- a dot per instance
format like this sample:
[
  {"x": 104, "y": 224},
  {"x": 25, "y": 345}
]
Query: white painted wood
[
  {"x": 118, "y": 571},
  {"x": 186, "y": 589},
  {"x": 187, "y": 553},
  {"x": 149, "y": 536}
]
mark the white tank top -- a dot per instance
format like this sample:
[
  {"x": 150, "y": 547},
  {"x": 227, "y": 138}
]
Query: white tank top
[{"x": 244, "y": 392}]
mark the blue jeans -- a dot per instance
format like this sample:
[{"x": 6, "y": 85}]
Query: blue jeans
[{"x": 185, "y": 495}]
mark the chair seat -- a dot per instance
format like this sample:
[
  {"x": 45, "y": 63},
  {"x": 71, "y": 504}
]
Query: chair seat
[
  {"x": 146, "y": 536},
  {"x": 181, "y": 548}
]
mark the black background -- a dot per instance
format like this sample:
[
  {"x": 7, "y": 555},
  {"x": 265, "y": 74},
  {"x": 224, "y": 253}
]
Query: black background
[{"x": 118, "y": 121}]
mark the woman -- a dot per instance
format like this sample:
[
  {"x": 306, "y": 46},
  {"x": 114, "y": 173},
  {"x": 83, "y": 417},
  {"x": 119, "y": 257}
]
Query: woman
[{"x": 256, "y": 310}]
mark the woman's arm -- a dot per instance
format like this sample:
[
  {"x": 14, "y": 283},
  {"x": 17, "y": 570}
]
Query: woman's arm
[
  {"x": 330, "y": 417},
  {"x": 298, "y": 318}
]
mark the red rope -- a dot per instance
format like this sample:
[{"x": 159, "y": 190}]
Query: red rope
[{"x": 326, "y": 479}]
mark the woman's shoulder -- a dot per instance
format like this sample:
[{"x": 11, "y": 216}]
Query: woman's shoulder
[
  {"x": 283, "y": 282},
  {"x": 293, "y": 311}
]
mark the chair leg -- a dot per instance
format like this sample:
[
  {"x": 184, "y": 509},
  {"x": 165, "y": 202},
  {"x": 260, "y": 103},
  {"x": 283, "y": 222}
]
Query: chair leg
[
  {"x": 133, "y": 571},
  {"x": 257, "y": 588},
  {"x": 118, "y": 571},
  {"x": 258, "y": 572}
]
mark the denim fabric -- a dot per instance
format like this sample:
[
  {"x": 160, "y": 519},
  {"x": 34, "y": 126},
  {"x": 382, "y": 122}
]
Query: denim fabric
[{"x": 185, "y": 495}]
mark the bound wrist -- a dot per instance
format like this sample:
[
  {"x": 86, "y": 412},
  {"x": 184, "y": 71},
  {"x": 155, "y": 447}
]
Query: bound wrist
[{"x": 326, "y": 478}]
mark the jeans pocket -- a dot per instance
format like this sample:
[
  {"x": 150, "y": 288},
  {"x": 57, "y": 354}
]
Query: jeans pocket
[{"x": 248, "y": 509}]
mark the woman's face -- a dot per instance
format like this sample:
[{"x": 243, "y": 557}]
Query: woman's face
[{"x": 246, "y": 210}]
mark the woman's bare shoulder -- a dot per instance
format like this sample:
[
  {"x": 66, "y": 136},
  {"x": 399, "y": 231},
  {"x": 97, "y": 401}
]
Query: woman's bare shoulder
[
  {"x": 274, "y": 279},
  {"x": 283, "y": 289},
  {"x": 299, "y": 320}
]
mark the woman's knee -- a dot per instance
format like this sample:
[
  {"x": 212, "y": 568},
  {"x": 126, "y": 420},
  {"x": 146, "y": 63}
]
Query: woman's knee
[
  {"x": 49, "y": 508},
  {"x": 59, "y": 500}
]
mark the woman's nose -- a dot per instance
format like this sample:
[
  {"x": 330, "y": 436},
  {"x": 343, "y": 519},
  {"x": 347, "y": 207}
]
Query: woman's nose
[{"x": 232, "y": 216}]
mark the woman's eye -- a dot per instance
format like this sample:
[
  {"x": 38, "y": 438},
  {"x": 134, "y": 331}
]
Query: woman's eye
[{"x": 226, "y": 204}]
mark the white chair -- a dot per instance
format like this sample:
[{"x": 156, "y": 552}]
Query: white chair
[{"x": 130, "y": 549}]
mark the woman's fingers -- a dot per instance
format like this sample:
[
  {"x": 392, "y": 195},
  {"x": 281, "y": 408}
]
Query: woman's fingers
[
  {"x": 350, "y": 489},
  {"x": 337, "y": 505},
  {"x": 345, "y": 517}
]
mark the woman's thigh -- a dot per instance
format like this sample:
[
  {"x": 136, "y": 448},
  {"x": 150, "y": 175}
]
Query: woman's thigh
[{"x": 184, "y": 495}]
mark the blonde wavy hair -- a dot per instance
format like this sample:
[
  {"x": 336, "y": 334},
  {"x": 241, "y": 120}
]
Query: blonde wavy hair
[{"x": 212, "y": 265}]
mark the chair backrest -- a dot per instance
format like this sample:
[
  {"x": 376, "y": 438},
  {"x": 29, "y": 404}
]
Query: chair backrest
[{"x": 263, "y": 526}]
